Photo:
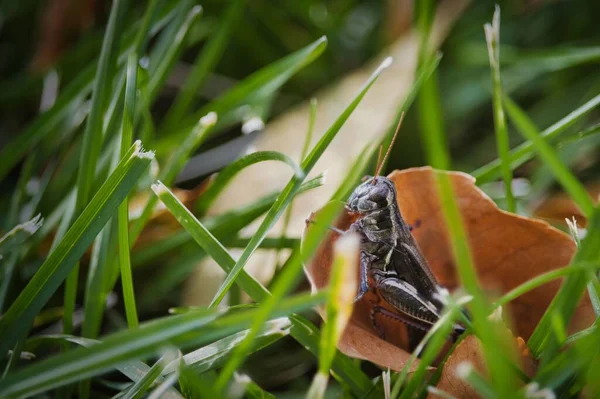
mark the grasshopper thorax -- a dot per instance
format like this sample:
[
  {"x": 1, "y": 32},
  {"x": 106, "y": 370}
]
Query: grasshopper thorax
[{"x": 375, "y": 193}]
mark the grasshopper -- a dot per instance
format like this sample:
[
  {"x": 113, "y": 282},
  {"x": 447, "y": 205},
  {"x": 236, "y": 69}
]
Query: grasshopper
[{"x": 391, "y": 261}]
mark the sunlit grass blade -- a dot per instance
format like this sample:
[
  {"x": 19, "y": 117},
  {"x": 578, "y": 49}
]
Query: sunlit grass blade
[
  {"x": 492, "y": 35},
  {"x": 294, "y": 184},
  {"x": 189, "y": 329},
  {"x": 543, "y": 342},
  {"x": 215, "y": 354},
  {"x": 526, "y": 151},
  {"x": 203, "y": 65},
  {"x": 63, "y": 257},
  {"x": 224, "y": 177},
  {"x": 343, "y": 284},
  {"x": 569, "y": 182}
]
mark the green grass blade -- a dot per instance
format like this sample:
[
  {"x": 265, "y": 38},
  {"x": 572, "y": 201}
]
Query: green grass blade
[
  {"x": 46, "y": 122},
  {"x": 305, "y": 146},
  {"x": 438, "y": 157},
  {"x": 222, "y": 227},
  {"x": 135, "y": 370},
  {"x": 206, "y": 240},
  {"x": 18, "y": 234},
  {"x": 232, "y": 105},
  {"x": 185, "y": 330},
  {"x": 93, "y": 137},
  {"x": 569, "y": 182},
  {"x": 61, "y": 260},
  {"x": 173, "y": 45},
  {"x": 74, "y": 92},
  {"x": 224, "y": 177},
  {"x": 140, "y": 387},
  {"x": 542, "y": 341},
  {"x": 215, "y": 354},
  {"x": 492, "y": 35},
  {"x": 542, "y": 279},
  {"x": 290, "y": 273},
  {"x": 143, "y": 32},
  {"x": 302, "y": 330},
  {"x": 288, "y": 192},
  {"x": 174, "y": 165},
  {"x": 98, "y": 272},
  {"x": 526, "y": 151},
  {"x": 203, "y": 65},
  {"x": 342, "y": 292},
  {"x": 344, "y": 368},
  {"x": 123, "y": 212}
]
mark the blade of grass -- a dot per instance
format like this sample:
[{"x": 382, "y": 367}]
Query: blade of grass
[
  {"x": 343, "y": 284},
  {"x": 542, "y": 279},
  {"x": 135, "y": 370},
  {"x": 302, "y": 330},
  {"x": 526, "y": 151},
  {"x": 288, "y": 213},
  {"x": 93, "y": 138},
  {"x": 569, "y": 182},
  {"x": 75, "y": 92},
  {"x": 429, "y": 348},
  {"x": 227, "y": 224},
  {"x": 63, "y": 257},
  {"x": 232, "y": 106},
  {"x": 184, "y": 330},
  {"x": 140, "y": 387},
  {"x": 204, "y": 238},
  {"x": 290, "y": 273},
  {"x": 213, "y": 355},
  {"x": 293, "y": 185},
  {"x": 203, "y": 65},
  {"x": 174, "y": 165},
  {"x": 542, "y": 341},
  {"x": 222, "y": 227},
  {"x": 492, "y": 35},
  {"x": 437, "y": 154},
  {"x": 18, "y": 234},
  {"x": 174, "y": 42},
  {"x": 224, "y": 177},
  {"x": 123, "y": 212}
]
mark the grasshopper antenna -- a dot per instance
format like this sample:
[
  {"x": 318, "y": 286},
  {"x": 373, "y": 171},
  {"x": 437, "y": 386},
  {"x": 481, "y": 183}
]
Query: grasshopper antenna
[{"x": 387, "y": 153}]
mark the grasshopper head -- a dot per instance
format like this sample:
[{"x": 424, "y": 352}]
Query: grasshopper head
[{"x": 373, "y": 194}]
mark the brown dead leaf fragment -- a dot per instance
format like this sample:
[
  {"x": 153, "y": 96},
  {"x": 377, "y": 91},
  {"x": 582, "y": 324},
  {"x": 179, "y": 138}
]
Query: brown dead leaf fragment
[{"x": 507, "y": 249}]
